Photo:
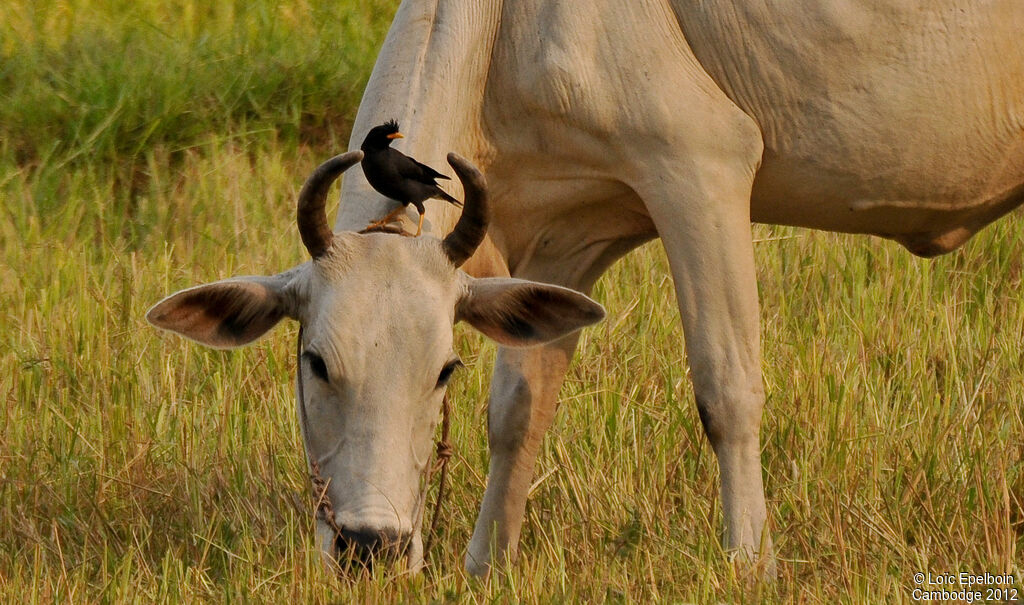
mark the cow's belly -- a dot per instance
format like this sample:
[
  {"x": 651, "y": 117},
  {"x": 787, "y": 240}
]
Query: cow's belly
[{"x": 905, "y": 120}]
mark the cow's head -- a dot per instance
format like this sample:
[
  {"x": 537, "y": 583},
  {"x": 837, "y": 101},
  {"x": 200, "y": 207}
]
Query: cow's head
[{"x": 376, "y": 311}]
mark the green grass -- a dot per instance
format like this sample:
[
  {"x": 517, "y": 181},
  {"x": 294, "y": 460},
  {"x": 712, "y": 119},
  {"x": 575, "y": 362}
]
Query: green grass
[
  {"x": 137, "y": 467},
  {"x": 108, "y": 80}
]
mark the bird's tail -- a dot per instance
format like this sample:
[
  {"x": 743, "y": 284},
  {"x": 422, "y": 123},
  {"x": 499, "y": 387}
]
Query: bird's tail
[{"x": 444, "y": 196}]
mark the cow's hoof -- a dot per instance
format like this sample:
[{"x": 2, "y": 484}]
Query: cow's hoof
[
  {"x": 753, "y": 567},
  {"x": 478, "y": 567}
]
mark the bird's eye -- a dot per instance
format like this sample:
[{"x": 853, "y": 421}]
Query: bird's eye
[
  {"x": 316, "y": 363},
  {"x": 447, "y": 371}
]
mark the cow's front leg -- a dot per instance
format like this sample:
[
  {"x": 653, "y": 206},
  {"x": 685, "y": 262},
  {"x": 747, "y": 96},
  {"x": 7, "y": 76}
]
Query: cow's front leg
[
  {"x": 713, "y": 269},
  {"x": 524, "y": 396},
  {"x": 526, "y": 382},
  {"x": 700, "y": 205}
]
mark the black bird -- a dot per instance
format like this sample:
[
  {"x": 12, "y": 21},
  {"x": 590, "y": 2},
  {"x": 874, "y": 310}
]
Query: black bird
[{"x": 397, "y": 176}]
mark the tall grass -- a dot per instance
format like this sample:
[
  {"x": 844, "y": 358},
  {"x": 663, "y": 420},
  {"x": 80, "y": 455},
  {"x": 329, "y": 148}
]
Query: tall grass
[
  {"x": 113, "y": 87},
  {"x": 109, "y": 79},
  {"x": 137, "y": 467}
]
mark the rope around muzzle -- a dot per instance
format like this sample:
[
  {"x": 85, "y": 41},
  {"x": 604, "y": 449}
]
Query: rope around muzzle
[{"x": 324, "y": 510}]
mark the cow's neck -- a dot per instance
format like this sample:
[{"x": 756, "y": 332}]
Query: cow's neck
[{"x": 430, "y": 77}]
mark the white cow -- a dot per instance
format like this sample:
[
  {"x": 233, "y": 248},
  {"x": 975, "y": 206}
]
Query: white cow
[{"x": 602, "y": 124}]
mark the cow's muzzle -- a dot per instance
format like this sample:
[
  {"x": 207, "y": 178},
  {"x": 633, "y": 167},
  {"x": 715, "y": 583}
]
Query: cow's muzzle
[{"x": 367, "y": 547}]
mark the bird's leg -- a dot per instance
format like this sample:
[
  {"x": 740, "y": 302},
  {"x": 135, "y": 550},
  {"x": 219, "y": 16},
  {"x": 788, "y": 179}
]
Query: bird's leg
[
  {"x": 387, "y": 219},
  {"x": 419, "y": 227}
]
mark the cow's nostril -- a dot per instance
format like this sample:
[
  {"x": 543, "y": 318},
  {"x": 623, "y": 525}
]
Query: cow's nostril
[{"x": 368, "y": 545}]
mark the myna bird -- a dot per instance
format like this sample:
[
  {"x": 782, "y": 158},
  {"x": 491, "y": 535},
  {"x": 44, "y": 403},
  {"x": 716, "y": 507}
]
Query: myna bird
[{"x": 397, "y": 176}]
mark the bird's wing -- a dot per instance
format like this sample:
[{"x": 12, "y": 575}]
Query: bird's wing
[
  {"x": 409, "y": 168},
  {"x": 430, "y": 172}
]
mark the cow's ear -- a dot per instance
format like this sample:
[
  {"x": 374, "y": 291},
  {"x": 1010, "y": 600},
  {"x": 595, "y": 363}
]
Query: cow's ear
[
  {"x": 520, "y": 313},
  {"x": 226, "y": 314}
]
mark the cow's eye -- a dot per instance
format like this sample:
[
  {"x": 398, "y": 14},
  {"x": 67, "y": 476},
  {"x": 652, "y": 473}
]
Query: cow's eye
[
  {"x": 316, "y": 363},
  {"x": 447, "y": 371}
]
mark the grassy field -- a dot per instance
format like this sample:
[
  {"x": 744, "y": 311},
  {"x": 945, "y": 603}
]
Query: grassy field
[{"x": 148, "y": 146}]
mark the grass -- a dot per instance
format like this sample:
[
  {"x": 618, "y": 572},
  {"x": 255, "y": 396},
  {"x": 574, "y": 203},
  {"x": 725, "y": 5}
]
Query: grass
[{"x": 147, "y": 146}]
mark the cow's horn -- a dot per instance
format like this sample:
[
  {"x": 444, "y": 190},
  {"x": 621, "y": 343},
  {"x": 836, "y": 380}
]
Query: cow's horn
[
  {"x": 460, "y": 244},
  {"x": 312, "y": 213}
]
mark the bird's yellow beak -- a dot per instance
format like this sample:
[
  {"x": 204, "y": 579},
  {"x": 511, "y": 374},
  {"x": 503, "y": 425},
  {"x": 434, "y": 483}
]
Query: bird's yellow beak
[{"x": 396, "y": 135}]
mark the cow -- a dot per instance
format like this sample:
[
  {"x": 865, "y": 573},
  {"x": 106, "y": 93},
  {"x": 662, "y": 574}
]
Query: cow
[{"x": 602, "y": 124}]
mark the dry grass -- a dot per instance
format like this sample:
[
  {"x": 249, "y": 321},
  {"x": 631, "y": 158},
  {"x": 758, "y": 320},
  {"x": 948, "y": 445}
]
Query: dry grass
[{"x": 137, "y": 467}]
